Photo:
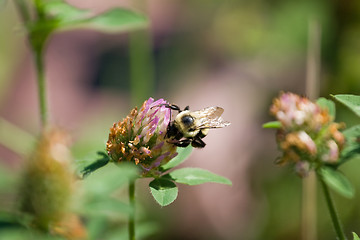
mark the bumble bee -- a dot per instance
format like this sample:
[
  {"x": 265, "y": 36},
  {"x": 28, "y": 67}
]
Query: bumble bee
[{"x": 190, "y": 127}]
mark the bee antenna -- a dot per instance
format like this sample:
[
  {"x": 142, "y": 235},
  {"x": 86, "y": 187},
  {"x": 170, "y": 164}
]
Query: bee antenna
[
  {"x": 160, "y": 105},
  {"x": 171, "y": 106}
]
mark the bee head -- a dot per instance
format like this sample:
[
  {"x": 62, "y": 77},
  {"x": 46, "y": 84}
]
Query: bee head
[
  {"x": 187, "y": 120},
  {"x": 186, "y": 124}
]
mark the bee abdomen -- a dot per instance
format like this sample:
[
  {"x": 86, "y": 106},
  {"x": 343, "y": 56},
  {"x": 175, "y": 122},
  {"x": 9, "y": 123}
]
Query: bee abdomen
[{"x": 203, "y": 132}]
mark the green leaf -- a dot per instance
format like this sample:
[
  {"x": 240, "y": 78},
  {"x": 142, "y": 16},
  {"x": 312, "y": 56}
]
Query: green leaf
[
  {"x": 108, "y": 206},
  {"x": 164, "y": 191},
  {"x": 96, "y": 165},
  {"x": 355, "y": 236},
  {"x": 15, "y": 138},
  {"x": 183, "y": 154},
  {"x": 108, "y": 179},
  {"x": 327, "y": 104},
  {"x": 117, "y": 20},
  {"x": 273, "y": 124},
  {"x": 195, "y": 176},
  {"x": 97, "y": 198},
  {"x": 68, "y": 17},
  {"x": 337, "y": 181},
  {"x": 351, "y": 101},
  {"x": 143, "y": 230},
  {"x": 352, "y": 144},
  {"x": 63, "y": 11},
  {"x": 352, "y": 133},
  {"x": 25, "y": 234}
]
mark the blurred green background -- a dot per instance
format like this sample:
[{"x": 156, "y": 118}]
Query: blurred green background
[{"x": 235, "y": 54}]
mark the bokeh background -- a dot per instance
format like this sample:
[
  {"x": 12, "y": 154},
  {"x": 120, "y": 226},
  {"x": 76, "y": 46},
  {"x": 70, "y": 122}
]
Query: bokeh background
[{"x": 235, "y": 54}]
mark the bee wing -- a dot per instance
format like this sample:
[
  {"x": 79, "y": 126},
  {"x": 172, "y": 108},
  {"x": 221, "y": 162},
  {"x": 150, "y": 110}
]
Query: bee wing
[{"x": 210, "y": 118}]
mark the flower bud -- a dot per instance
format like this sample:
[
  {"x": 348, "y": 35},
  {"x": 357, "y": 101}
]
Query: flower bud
[{"x": 47, "y": 186}]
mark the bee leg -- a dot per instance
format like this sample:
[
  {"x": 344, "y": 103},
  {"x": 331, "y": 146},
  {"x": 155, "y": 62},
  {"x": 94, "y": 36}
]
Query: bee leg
[
  {"x": 186, "y": 108},
  {"x": 202, "y": 133},
  {"x": 182, "y": 143},
  {"x": 198, "y": 143},
  {"x": 172, "y": 132}
]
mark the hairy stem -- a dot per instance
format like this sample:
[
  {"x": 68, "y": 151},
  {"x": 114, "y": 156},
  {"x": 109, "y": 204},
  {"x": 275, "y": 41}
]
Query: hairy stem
[
  {"x": 132, "y": 213},
  {"x": 334, "y": 216}
]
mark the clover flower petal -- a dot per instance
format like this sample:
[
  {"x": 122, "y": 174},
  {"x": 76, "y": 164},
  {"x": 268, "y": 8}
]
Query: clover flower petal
[
  {"x": 294, "y": 111},
  {"x": 308, "y": 137},
  {"x": 140, "y": 138}
]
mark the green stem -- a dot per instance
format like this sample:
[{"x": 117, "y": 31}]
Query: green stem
[
  {"x": 39, "y": 9},
  {"x": 38, "y": 54},
  {"x": 37, "y": 39},
  {"x": 334, "y": 217},
  {"x": 141, "y": 67},
  {"x": 23, "y": 10},
  {"x": 132, "y": 213}
]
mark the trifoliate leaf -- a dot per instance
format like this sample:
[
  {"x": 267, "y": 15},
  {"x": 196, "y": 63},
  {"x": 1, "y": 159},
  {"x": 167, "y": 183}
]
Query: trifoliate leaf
[
  {"x": 273, "y": 124},
  {"x": 195, "y": 176},
  {"x": 352, "y": 144},
  {"x": 337, "y": 181},
  {"x": 327, "y": 104},
  {"x": 164, "y": 191},
  {"x": 350, "y": 101},
  {"x": 183, "y": 154}
]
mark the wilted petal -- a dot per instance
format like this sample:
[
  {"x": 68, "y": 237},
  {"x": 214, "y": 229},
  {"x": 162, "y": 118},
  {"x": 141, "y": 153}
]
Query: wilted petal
[
  {"x": 333, "y": 152},
  {"x": 307, "y": 140},
  {"x": 302, "y": 169}
]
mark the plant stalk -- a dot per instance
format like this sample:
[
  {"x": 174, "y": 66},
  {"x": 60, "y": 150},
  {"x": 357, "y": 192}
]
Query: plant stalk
[
  {"x": 37, "y": 41},
  {"x": 23, "y": 10},
  {"x": 40, "y": 70},
  {"x": 309, "y": 207},
  {"x": 308, "y": 223},
  {"x": 141, "y": 66},
  {"x": 334, "y": 216},
  {"x": 132, "y": 213}
]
